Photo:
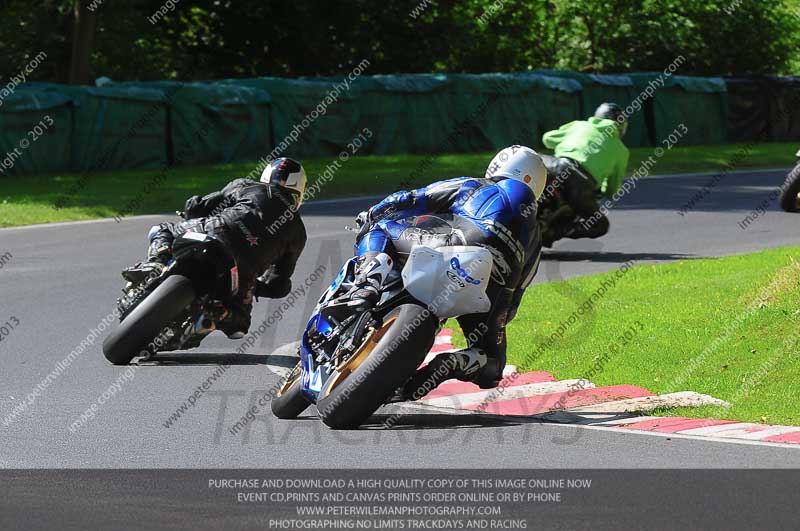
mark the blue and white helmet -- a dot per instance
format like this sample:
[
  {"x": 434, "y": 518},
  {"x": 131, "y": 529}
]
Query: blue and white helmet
[{"x": 522, "y": 164}]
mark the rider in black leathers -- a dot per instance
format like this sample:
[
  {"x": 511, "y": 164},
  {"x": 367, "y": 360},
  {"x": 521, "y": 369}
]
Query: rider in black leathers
[{"x": 258, "y": 222}]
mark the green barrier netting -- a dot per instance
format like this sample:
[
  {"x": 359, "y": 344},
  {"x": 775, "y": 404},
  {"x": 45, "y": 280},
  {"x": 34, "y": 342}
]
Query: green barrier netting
[
  {"x": 763, "y": 108},
  {"x": 117, "y": 128},
  {"x": 35, "y": 132},
  {"x": 310, "y": 118},
  {"x": 497, "y": 110},
  {"x": 785, "y": 109},
  {"x": 558, "y": 101},
  {"x": 150, "y": 124},
  {"x": 423, "y": 113},
  {"x": 749, "y": 102},
  {"x": 214, "y": 122},
  {"x": 698, "y": 103},
  {"x": 407, "y": 114},
  {"x": 619, "y": 89}
]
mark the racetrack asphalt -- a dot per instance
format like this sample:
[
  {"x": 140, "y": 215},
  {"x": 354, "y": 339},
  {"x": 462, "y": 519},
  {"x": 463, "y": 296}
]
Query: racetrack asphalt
[{"x": 62, "y": 280}]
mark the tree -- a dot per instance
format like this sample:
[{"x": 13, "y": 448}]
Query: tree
[
  {"x": 82, "y": 42},
  {"x": 212, "y": 39}
]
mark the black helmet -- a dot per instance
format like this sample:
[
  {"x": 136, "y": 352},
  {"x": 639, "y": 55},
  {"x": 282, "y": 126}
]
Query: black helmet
[
  {"x": 613, "y": 112},
  {"x": 287, "y": 173}
]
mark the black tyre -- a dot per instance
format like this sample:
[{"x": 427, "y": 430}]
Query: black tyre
[
  {"x": 290, "y": 402},
  {"x": 789, "y": 197},
  {"x": 148, "y": 319},
  {"x": 387, "y": 359}
]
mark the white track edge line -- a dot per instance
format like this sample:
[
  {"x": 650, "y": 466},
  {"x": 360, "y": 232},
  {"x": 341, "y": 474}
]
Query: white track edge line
[{"x": 699, "y": 438}]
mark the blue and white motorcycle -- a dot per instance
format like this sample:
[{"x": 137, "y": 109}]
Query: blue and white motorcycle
[{"x": 352, "y": 360}]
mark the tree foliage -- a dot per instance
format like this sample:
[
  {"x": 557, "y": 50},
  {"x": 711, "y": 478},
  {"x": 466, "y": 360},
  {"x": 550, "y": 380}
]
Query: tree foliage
[{"x": 211, "y": 39}]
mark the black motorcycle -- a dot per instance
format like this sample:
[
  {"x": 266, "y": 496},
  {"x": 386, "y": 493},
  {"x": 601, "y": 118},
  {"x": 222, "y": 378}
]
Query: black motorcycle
[
  {"x": 553, "y": 214},
  {"x": 790, "y": 191},
  {"x": 174, "y": 307}
]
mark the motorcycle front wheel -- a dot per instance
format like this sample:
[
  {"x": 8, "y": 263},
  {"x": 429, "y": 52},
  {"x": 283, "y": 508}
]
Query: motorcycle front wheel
[
  {"x": 146, "y": 321},
  {"x": 790, "y": 197},
  {"x": 290, "y": 402},
  {"x": 387, "y": 358}
]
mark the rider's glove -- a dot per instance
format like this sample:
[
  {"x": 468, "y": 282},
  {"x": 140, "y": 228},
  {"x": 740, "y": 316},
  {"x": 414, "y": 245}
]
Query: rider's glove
[
  {"x": 362, "y": 219},
  {"x": 191, "y": 204},
  {"x": 363, "y": 224}
]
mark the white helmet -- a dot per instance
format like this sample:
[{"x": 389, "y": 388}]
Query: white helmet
[
  {"x": 522, "y": 164},
  {"x": 287, "y": 173}
]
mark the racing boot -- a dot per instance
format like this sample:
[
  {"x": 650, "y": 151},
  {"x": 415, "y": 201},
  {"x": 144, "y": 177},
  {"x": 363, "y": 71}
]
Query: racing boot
[
  {"x": 159, "y": 254},
  {"x": 142, "y": 271},
  {"x": 587, "y": 228},
  {"x": 371, "y": 274},
  {"x": 237, "y": 321},
  {"x": 465, "y": 365}
]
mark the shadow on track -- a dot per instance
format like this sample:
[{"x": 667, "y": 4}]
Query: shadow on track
[
  {"x": 437, "y": 421},
  {"x": 611, "y": 257},
  {"x": 208, "y": 358},
  {"x": 219, "y": 358}
]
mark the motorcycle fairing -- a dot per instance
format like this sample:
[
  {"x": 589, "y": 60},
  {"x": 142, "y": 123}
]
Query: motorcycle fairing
[
  {"x": 190, "y": 245},
  {"x": 451, "y": 280},
  {"x": 346, "y": 272},
  {"x": 311, "y": 371}
]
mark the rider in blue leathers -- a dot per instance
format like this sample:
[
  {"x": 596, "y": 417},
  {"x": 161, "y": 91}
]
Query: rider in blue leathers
[{"x": 497, "y": 212}]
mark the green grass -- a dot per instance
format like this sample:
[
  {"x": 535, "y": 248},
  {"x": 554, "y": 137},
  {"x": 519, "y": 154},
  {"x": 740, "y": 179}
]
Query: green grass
[
  {"x": 683, "y": 307},
  {"x": 31, "y": 199}
]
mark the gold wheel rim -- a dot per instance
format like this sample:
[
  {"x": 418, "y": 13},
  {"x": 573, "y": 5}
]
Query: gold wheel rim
[
  {"x": 797, "y": 201},
  {"x": 291, "y": 379},
  {"x": 354, "y": 362}
]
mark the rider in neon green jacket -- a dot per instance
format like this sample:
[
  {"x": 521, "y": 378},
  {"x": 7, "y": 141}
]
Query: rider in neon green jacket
[
  {"x": 589, "y": 158},
  {"x": 595, "y": 144}
]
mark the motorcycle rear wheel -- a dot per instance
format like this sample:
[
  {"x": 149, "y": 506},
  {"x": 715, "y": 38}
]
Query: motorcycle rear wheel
[
  {"x": 146, "y": 321},
  {"x": 290, "y": 401},
  {"x": 386, "y": 360}
]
